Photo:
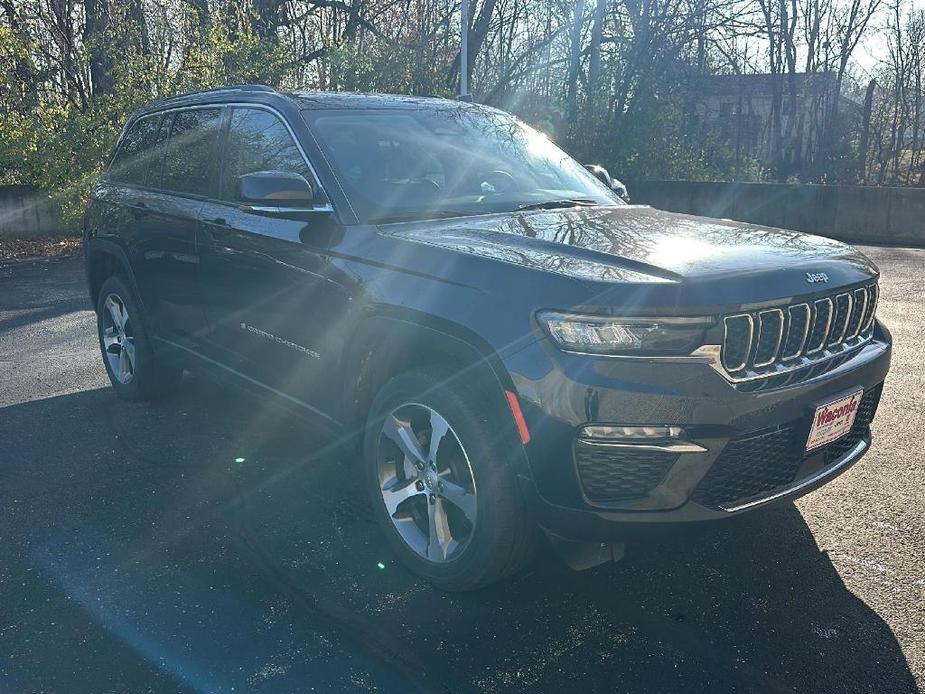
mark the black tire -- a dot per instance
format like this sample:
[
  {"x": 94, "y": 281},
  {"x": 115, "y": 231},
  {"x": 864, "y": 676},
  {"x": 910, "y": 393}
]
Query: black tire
[
  {"x": 503, "y": 537},
  {"x": 150, "y": 378}
]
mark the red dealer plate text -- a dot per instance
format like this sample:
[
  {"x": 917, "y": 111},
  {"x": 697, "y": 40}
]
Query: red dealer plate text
[{"x": 833, "y": 420}]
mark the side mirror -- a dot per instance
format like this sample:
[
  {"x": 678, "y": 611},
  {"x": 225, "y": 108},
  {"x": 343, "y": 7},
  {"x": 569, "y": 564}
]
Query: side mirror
[
  {"x": 275, "y": 188},
  {"x": 620, "y": 189},
  {"x": 603, "y": 175},
  {"x": 600, "y": 173}
]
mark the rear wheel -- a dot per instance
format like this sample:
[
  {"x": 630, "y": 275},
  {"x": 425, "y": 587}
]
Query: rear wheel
[
  {"x": 442, "y": 484},
  {"x": 133, "y": 369}
]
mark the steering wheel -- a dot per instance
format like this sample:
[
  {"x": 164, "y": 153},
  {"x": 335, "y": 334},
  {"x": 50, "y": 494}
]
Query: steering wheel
[
  {"x": 426, "y": 182},
  {"x": 497, "y": 181}
]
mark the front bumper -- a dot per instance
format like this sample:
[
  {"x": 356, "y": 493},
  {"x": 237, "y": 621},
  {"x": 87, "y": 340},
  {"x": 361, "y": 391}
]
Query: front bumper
[{"x": 562, "y": 392}]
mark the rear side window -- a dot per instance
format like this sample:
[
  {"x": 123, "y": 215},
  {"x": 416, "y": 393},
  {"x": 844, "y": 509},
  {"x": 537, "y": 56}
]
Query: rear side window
[
  {"x": 189, "y": 160},
  {"x": 136, "y": 152},
  {"x": 258, "y": 141},
  {"x": 156, "y": 168}
]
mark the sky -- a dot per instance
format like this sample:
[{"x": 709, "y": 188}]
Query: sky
[{"x": 874, "y": 48}]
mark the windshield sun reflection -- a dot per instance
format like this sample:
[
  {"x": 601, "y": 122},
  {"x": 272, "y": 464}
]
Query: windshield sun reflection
[{"x": 448, "y": 161}]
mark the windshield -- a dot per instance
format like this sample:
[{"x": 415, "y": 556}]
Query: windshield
[{"x": 450, "y": 161}]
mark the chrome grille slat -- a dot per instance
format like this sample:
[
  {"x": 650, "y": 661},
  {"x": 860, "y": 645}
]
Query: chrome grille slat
[
  {"x": 807, "y": 315},
  {"x": 856, "y": 319},
  {"x": 816, "y": 345},
  {"x": 764, "y": 319},
  {"x": 840, "y": 318},
  {"x": 802, "y": 334},
  {"x": 749, "y": 327},
  {"x": 874, "y": 292}
]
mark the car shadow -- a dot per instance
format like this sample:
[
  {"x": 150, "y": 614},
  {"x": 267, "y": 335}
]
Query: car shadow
[
  {"x": 39, "y": 289},
  {"x": 211, "y": 541},
  {"x": 31, "y": 315}
]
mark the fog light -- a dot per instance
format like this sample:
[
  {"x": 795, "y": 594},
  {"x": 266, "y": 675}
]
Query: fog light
[{"x": 636, "y": 433}]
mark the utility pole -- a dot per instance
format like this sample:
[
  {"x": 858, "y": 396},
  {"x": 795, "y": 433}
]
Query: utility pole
[{"x": 464, "y": 94}]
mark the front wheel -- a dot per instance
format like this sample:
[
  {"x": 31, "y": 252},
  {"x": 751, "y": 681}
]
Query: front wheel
[{"x": 442, "y": 483}]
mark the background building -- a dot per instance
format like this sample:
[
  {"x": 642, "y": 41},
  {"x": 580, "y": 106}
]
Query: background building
[{"x": 781, "y": 121}]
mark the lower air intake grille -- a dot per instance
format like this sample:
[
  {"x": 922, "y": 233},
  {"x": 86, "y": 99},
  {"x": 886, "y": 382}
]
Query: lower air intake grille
[
  {"x": 755, "y": 466},
  {"x": 610, "y": 474}
]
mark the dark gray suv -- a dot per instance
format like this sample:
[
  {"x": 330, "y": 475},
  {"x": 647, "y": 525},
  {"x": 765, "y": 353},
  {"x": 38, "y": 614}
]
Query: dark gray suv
[{"x": 513, "y": 347}]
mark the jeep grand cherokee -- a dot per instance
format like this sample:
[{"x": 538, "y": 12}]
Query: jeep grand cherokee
[{"x": 514, "y": 346}]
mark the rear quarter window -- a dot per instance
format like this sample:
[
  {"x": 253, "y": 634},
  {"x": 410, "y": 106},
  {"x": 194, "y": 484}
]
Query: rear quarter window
[{"x": 136, "y": 152}]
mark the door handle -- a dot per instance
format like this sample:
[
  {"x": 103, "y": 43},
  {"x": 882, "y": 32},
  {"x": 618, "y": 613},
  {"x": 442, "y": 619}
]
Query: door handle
[
  {"x": 139, "y": 209},
  {"x": 219, "y": 221}
]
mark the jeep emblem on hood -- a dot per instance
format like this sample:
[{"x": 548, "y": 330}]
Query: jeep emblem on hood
[{"x": 813, "y": 277}]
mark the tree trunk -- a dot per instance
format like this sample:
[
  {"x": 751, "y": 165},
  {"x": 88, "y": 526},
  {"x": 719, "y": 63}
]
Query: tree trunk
[
  {"x": 96, "y": 27},
  {"x": 137, "y": 29},
  {"x": 267, "y": 18},
  {"x": 23, "y": 67},
  {"x": 574, "y": 63},
  {"x": 201, "y": 8},
  {"x": 597, "y": 33},
  {"x": 112, "y": 28}
]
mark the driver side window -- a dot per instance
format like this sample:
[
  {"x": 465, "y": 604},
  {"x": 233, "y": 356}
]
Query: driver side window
[{"x": 258, "y": 141}]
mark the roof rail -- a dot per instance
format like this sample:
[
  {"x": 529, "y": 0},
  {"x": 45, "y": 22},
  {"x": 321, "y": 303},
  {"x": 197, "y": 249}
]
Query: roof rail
[{"x": 229, "y": 88}]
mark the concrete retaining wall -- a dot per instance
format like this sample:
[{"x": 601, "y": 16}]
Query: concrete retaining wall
[
  {"x": 27, "y": 213},
  {"x": 862, "y": 214}
]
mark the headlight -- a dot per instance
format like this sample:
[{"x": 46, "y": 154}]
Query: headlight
[{"x": 628, "y": 336}]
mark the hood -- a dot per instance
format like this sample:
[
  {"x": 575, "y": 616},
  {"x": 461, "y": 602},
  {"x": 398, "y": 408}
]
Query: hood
[{"x": 639, "y": 244}]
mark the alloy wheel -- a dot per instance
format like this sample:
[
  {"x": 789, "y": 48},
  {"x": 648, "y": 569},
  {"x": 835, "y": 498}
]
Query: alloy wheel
[
  {"x": 118, "y": 339},
  {"x": 426, "y": 482}
]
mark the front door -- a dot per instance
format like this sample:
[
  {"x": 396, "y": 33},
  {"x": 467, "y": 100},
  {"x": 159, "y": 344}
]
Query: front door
[{"x": 268, "y": 286}]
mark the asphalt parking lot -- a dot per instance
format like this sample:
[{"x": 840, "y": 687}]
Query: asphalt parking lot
[{"x": 212, "y": 543}]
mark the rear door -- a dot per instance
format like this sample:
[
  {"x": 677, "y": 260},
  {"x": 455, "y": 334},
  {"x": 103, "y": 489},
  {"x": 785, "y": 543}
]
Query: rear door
[
  {"x": 121, "y": 194},
  {"x": 270, "y": 297},
  {"x": 165, "y": 221}
]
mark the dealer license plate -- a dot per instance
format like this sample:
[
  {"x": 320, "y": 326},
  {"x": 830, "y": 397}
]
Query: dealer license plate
[{"x": 833, "y": 420}]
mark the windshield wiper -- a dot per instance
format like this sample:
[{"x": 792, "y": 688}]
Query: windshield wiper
[
  {"x": 557, "y": 204},
  {"x": 417, "y": 216}
]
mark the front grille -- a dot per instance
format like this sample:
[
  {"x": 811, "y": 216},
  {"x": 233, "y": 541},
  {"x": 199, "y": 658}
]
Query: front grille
[
  {"x": 758, "y": 465},
  {"x": 609, "y": 474},
  {"x": 780, "y": 339}
]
